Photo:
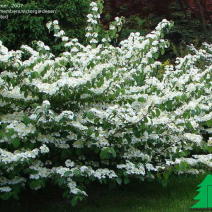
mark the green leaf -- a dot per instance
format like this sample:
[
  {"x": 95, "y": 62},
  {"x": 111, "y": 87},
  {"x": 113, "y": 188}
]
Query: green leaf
[
  {"x": 186, "y": 115},
  {"x": 90, "y": 131},
  {"x": 141, "y": 99},
  {"x": 100, "y": 82},
  {"x": 106, "y": 125},
  {"x": 66, "y": 174},
  {"x": 36, "y": 184},
  {"x": 126, "y": 180},
  {"x": 34, "y": 75},
  {"x": 90, "y": 115},
  {"x": 16, "y": 142},
  {"x": 25, "y": 94},
  {"x": 145, "y": 119},
  {"x": 157, "y": 112},
  {"x": 26, "y": 120},
  {"x": 183, "y": 166},
  {"x": 119, "y": 180},
  {"x": 189, "y": 125},
  {"x": 6, "y": 196},
  {"x": 209, "y": 123},
  {"x": 136, "y": 132},
  {"x": 107, "y": 153},
  {"x": 75, "y": 200},
  {"x": 10, "y": 132}
]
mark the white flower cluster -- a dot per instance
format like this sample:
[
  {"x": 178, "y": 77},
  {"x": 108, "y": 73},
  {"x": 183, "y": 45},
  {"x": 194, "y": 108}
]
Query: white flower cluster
[
  {"x": 5, "y": 189},
  {"x": 100, "y": 112},
  {"x": 73, "y": 188},
  {"x": 9, "y": 157},
  {"x": 132, "y": 169},
  {"x": 196, "y": 160},
  {"x": 92, "y": 20},
  {"x": 7, "y": 184},
  {"x": 21, "y": 129}
]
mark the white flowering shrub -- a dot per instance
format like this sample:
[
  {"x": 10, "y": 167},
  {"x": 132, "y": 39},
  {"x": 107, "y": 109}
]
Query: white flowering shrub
[{"x": 99, "y": 112}]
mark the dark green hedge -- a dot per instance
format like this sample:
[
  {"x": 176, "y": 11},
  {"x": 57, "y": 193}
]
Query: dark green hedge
[{"x": 24, "y": 28}]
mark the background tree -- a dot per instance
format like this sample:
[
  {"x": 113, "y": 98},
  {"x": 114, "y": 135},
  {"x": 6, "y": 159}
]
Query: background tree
[{"x": 25, "y": 28}]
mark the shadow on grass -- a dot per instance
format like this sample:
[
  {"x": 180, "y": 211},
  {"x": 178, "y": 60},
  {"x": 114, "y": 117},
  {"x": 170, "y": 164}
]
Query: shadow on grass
[{"x": 134, "y": 197}]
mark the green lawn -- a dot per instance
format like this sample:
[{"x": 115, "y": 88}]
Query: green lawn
[{"x": 135, "y": 197}]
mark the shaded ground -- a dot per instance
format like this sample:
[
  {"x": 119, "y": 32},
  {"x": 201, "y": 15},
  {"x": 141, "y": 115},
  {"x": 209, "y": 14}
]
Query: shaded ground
[{"x": 136, "y": 197}]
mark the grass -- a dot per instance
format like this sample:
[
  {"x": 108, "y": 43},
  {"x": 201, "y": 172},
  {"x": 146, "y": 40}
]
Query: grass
[{"x": 135, "y": 197}]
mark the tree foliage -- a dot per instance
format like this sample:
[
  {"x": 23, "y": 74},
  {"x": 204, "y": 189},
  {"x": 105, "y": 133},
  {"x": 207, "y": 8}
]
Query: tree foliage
[{"x": 25, "y": 28}]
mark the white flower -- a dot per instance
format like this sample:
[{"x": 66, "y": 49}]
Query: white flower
[
  {"x": 155, "y": 43},
  {"x": 46, "y": 103},
  {"x": 5, "y": 189},
  {"x": 94, "y": 22},
  {"x": 194, "y": 138},
  {"x": 88, "y": 34},
  {"x": 69, "y": 163},
  {"x": 74, "y": 49},
  {"x": 93, "y": 4},
  {"x": 210, "y": 141},
  {"x": 112, "y": 27},
  {"x": 64, "y": 38},
  {"x": 55, "y": 22},
  {"x": 69, "y": 44},
  {"x": 94, "y": 41},
  {"x": 89, "y": 28},
  {"x": 95, "y": 8},
  {"x": 48, "y": 25},
  {"x": 117, "y": 19},
  {"x": 46, "y": 48},
  {"x": 44, "y": 149},
  {"x": 90, "y": 16},
  {"x": 75, "y": 40},
  {"x": 62, "y": 33},
  {"x": 104, "y": 40}
]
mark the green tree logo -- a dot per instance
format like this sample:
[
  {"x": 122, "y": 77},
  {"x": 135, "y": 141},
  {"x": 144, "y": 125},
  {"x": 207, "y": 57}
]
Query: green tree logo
[{"x": 205, "y": 194}]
